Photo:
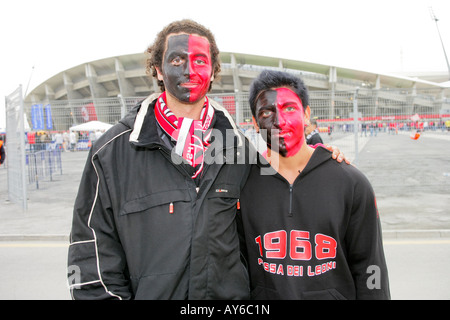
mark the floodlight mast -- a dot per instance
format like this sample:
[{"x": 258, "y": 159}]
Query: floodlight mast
[{"x": 435, "y": 19}]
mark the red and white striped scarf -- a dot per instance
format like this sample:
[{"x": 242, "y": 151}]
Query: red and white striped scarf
[{"x": 192, "y": 136}]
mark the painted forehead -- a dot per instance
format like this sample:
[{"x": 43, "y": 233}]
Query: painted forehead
[
  {"x": 276, "y": 96},
  {"x": 187, "y": 43},
  {"x": 287, "y": 94}
]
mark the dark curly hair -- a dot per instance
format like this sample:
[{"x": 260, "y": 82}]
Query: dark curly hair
[{"x": 156, "y": 50}]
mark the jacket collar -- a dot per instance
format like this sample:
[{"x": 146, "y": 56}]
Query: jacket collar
[{"x": 141, "y": 119}]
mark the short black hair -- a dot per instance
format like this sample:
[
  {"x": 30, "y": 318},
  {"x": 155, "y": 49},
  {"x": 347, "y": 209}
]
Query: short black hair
[{"x": 270, "y": 79}]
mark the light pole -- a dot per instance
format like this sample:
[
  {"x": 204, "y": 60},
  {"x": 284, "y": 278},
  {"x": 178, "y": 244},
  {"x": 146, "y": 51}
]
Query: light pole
[{"x": 435, "y": 19}]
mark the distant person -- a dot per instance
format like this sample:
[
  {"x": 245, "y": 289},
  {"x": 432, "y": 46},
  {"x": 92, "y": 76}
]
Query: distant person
[
  {"x": 66, "y": 141},
  {"x": 364, "y": 129},
  {"x": 312, "y": 133},
  {"x": 2, "y": 152},
  {"x": 98, "y": 133},
  {"x": 59, "y": 140},
  {"x": 72, "y": 140},
  {"x": 416, "y": 135}
]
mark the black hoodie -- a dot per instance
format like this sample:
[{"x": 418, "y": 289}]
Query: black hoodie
[{"x": 319, "y": 238}]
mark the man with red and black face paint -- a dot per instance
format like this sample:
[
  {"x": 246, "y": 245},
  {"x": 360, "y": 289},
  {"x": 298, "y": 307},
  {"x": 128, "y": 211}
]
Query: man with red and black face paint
[
  {"x": 280, "y": 112},
  {"x": 281, "y": 115},
  {"x": 311, "y": 225},
  {"x": 187, "y": 68},
  {"x": 153, "y": 219}
]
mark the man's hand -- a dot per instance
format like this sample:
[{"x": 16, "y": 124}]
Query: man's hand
[{"x": 337, "y": 154}]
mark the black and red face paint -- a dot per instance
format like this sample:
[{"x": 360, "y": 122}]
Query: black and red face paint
[
  {"x": 280, "y": 112},
  {"x": 187, "y": 67}
]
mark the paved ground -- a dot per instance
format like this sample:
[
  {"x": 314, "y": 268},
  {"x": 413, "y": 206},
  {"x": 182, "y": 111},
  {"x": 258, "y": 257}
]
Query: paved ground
[
  {"x": 49, "y": 207},
  {"x": 36, "y": 270},
  {"x": 411, "y": 179}
]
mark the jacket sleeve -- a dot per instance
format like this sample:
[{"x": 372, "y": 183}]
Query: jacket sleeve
[
  {"x": 96, "y": 260},
  {"x": 364, "y": 244}
]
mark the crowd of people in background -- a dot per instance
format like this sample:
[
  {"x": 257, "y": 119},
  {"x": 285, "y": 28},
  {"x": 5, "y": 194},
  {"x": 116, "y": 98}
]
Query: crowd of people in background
[
  {"x": 67, "y": 141},
  {"x": 70, "y": 141},
  {"x": 372, "y": 128}
]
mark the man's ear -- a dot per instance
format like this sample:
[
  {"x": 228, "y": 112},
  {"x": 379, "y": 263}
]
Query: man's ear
[
  {"x": 307, "y": 115},
  {"x": 255, "y": 124},
  {"x": 159, "y": 74}
]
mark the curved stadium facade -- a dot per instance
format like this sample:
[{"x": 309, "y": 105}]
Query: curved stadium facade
[{"x": 106, "y": 89}]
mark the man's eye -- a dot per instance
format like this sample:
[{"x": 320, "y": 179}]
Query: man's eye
[
  {"x": 177, "y": 61},
  {"x": 200, "y": 62},
  {"x": 266, "y": 114},
  {"x": 290, "y": 109}
]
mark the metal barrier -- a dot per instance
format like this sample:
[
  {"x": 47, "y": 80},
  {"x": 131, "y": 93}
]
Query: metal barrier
[
  {"x": 338, "y": 113},
  {"x": 43, "y": 165},
  {"x": 15, "y": 146},
  {"x": 346, "y": 119},
  {"x": 327, "y": 106}
]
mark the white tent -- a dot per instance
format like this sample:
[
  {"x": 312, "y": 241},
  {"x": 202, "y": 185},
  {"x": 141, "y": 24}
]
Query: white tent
[{"x": 91, "y": 126}]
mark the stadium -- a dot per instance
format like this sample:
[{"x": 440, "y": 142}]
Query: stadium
[{"x": 106, "y": 89}]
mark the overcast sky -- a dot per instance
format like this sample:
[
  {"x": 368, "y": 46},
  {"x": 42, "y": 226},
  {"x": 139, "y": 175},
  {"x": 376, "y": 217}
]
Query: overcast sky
[{"x": 381, "y": 36}]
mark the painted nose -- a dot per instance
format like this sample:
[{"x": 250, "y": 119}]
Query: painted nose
[
  {"x": 186, "y": 70},
  {"x": 281, "y": 121}
]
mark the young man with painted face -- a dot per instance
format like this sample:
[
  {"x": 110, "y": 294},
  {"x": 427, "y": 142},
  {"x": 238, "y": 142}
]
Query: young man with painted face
[
  {"x": 153, "y": 219},
  {"x": 311, "y": 225}
]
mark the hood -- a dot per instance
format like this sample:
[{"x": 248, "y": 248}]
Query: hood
[{"x": 319, "y": 156}]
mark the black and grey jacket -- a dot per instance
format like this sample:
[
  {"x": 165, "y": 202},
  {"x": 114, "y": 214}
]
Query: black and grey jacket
[{"x": 142, "y": 228}]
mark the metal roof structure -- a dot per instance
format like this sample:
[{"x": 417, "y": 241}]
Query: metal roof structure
[{"x": 126, "y": 76}]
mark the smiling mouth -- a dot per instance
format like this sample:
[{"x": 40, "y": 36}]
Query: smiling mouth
[
  {"x": 189, "y": 85},
  {"x": 280, "y": 134},
  {"x": 284, "y": 134}
]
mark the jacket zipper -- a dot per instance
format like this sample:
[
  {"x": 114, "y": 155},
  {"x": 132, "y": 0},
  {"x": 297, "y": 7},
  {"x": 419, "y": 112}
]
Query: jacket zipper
[
  {"x": 205, "y": 168},
  {"x": 291, "y": 188},
  {"x": 166, "y": 154}
]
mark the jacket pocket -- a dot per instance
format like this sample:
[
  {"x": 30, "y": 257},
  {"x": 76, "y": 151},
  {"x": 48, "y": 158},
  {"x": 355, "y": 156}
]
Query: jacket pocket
[{"x": 154, "y": 200}]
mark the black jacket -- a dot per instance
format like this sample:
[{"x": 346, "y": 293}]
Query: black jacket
[
  {"x": 2, "y": 152},
  {"x": 142, "y": 229},
  {"x": 319, "y": 238},
  {"x": 314, "y": 138}
]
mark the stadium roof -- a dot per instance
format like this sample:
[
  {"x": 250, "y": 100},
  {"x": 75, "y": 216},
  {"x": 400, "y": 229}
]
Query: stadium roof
[{"x": 126, "y": 75}]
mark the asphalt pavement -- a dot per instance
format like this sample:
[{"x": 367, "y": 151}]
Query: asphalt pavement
[
  {"x": 411, "y": 180},
  {"x": 36, "y": 270}
]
